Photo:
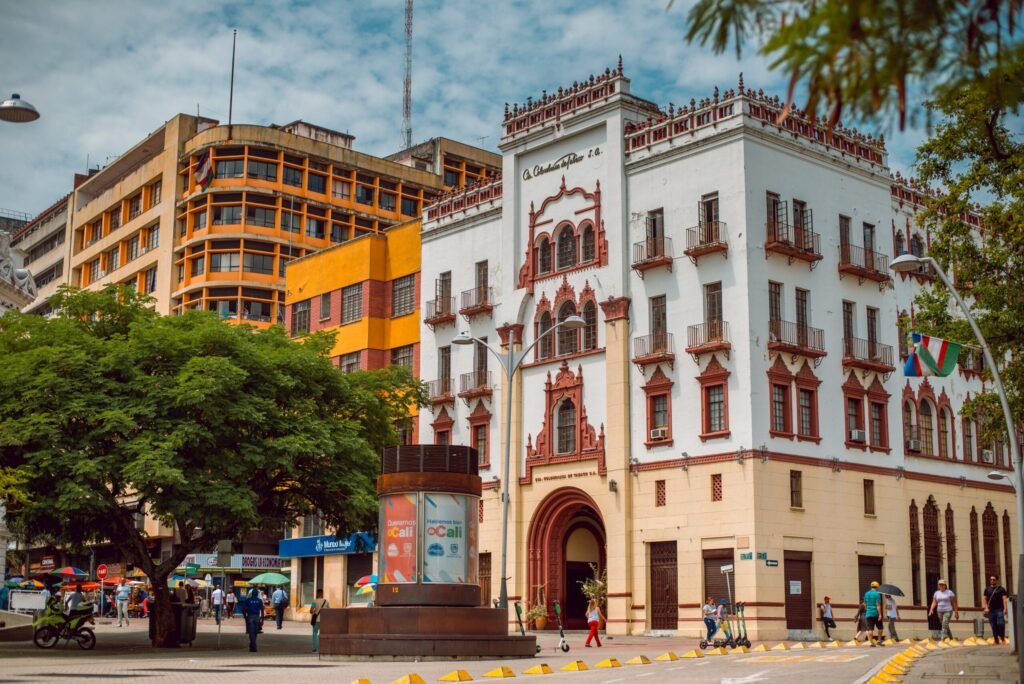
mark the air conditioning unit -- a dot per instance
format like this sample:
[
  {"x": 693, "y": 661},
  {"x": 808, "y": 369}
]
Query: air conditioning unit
[
  {"x": 913, "y": 445},
  {"x": 987, "y": 456},
  {"x": 659, "y": 433},
  {"x": 858, "y": 436},
  {"x": 102, "y": 273},
  {"x": 143, "y": 250}
]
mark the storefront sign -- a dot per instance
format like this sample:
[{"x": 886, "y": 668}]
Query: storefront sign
[
  {"x": 398, "y": 543},
  {"x": 560, "y": 164},
  {"x": 326, "y": 545},
  {"x": 238, "y": 561},
  {"x": 445, "y": 538}
]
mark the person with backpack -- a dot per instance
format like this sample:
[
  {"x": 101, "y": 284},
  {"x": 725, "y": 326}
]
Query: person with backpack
[
  {"x": 280, "y": 600},
  {"x": 314, "y": 617}
]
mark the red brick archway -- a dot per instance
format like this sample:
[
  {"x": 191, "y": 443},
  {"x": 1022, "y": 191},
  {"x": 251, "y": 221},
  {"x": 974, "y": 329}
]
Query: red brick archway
[{"x": 561, "y": 512}]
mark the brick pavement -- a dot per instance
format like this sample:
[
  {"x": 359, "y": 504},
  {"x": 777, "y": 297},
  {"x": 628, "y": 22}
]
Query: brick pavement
[{"x": 973, "y": 665}]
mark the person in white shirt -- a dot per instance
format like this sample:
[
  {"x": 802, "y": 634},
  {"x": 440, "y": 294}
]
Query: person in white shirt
[
  {"x": 892, "y": 613},
  {"x": 122, "y": 595},
  {"x": 218, "y": 599},
  {"x": 944, "y": 603}
]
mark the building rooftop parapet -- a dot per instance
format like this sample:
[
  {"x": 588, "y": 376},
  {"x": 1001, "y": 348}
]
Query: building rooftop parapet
[
  {"x": 769, "y": 111},
  {"x": 40, "y": 218},
  {"x": 909, "y": 190},
  {"x": 465, "y": 198},
  {"x": 580, "y": 96}
]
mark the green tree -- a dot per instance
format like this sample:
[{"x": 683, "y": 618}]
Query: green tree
[{"x": 109, "y": 410}]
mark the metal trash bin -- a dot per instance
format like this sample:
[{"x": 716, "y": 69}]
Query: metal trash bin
[
  {"x": 185, "y": 615},
  {"x": 979, "y": 626}
]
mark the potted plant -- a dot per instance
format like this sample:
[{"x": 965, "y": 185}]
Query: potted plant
[
  {"x": 538, "y": 612},
  {"x": 595, "y": 587}
]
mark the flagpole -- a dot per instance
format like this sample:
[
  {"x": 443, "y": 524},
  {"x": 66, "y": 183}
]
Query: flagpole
[{"x": 231, "y": 94}]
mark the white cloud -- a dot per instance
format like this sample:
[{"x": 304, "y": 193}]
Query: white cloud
[{"x": 105, "y": 73}]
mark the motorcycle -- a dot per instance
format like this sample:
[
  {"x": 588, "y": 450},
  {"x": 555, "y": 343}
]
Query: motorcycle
[{"x": 54, "y": 625}]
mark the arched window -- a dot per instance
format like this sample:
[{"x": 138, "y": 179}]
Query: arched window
[
  {"x": 566, "y": 248},
  {"x": 590, "y": 331},
  {"x": 968, "y": 440},
  {"x": 927, "y": 428},
  {"x": 917, "y": 246},
  {"x": 566, "y": 427},
  {"x": 587, "y": 244},
  {"x": 543, "y": 255},
  {"x": 545, "y": 345},
  {"x": 900, "y": 244},
  {"x": 944, "y": 442},
  {"x": 909, "y": 432},
  {"x": 568, "y": 340}
]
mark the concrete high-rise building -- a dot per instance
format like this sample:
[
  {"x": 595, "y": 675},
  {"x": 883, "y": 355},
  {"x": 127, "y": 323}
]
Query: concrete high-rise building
[{"x": 42, "y": 241}]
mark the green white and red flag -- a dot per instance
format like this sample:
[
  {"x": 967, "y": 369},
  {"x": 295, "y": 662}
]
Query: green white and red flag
[{"x": 931, "y": 356}]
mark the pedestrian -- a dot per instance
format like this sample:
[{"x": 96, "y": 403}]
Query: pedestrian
[
  {"x": 190, "y": 594},
  {"x": 145, "y": 606},
  {"x": 873, "y": 613},
  {"x": 180, "y": 593},
  {"x": 252, "y": 611},
  {"x": 996, "y": 607},
  {"x": 594, "y": 621},
  {"x": 944, "y": 604},
  {"x": 861, "y": 622},
  {"x": 314, "y": 617},
  {"x": 828, "y": 620},
  {"x": 280, "y": 601},
  {"x": 122, "y": 595},
  {"x": 218, "y": 599},
  {"x": 892, "y": 613},
  {"x": 45, "y": 593},
  {"x": 230, "y": 599},
  {"x": 74, "y": 598},
  {"x": 709, "y": 617}
]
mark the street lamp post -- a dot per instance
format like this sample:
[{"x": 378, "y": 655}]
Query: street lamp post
[
  {"x": 16, "y": 110},
  {"x": 909, "y": 262},
  {"x": 510, "y": 363}
]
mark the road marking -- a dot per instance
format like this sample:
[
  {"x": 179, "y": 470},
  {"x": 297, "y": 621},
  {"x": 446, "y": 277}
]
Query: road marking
[
  {"x": 645, "y": 674},
  {"x": 756, "y": 677},
  {"x": 830, "y": 658},
  {"x": 612, "y": 681}
]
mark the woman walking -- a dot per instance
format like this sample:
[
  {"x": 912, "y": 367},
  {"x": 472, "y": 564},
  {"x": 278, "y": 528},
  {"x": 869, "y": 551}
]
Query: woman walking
[
  {"x": 594, "y": 617},
  {"x": 314, "y": 612}
]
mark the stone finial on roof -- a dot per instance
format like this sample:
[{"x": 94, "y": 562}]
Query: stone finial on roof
[{"x": 741, "y": 83}]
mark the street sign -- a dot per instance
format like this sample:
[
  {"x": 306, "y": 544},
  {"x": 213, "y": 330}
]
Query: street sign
[
  {"x": 191, "y": 568},
  {"x": 208, "y": 578},
  {"x": 101, "y": 572},
  {"x": 747, "y": 556},
  {"x": 772, "y": 563},
  {"x": 726, "y": 568}
]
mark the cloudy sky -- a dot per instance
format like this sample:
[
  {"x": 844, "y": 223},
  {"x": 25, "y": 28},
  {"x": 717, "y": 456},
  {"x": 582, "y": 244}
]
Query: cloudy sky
[{"x": 104, "y": 73}]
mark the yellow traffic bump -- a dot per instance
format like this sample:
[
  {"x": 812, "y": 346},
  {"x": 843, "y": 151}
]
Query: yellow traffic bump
[
  {"x": 717, "y": 651},
  {"x": 907, "y": 641},
  {"x": 609, "y": 662},
  {"x": 667, "y": 656},
  {"x": 903, "y": 660},
  {"x": 411, "y": 678},
  {"x": 575, "y": 666},
  {"x": 693, "y": 654},
  {"x": 888, "y": 679},
  {"x": 833, "y": 644},
  {"x": 360, "y": 681},
  {"x": 798, "y": 645},
  {"x": 456, "y": 676},
  {"x": 501, "y": 672},
  {"x": 740, "y": 649},
  {"x": 852, "y": 642},
  {"x": 817, "y": 644},
  {"x": 639, "y": 660},
  {"x": 943, "y": 644},
  {"x": 867, "y": 643},
  {"x": 894, "y": 670},
  {"x": 541, "y": 669},
  {"x": 991, "y": 641},
  {"x": 760, "y": 648},
  {"x": 955, "y": 642},
  {"x": 890, "y": 642},
  {"x": 783, "y": 646}
]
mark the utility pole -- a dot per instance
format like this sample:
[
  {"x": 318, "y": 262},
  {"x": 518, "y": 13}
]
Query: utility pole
[{"x": 407, "y": 85}]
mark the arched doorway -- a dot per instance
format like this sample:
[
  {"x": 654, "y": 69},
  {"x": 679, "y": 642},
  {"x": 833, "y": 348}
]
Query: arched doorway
[{"x": 566, "y": 535}]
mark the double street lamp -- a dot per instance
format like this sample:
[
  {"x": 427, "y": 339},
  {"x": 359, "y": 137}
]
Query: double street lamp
[
  {"x": 906, "y": 263},
  {"x": 510, "y": 362}
]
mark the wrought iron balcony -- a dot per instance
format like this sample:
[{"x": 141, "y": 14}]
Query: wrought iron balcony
[
  {"x": 440, "y": 311},
  {"x": 707, "y": 337},
  {"x": 652, "y": 253},
  {"x": 867, "y": 355},
  {"x": 475, "y": 384},
  {"x": 793, "y": 241},
  {"x": 801, "y": 340},
  {"x": 479, "y": 300},
  {"x": 440, "y": 391},
  {"x": 706, "y": 238},
  {"x": 865, "y": 264},
  {"x": 654, "y": 348}
]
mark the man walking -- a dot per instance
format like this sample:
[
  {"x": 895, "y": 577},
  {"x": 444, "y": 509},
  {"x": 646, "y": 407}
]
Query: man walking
[
  {"x": 873, "y": 614},
  {"x": 122, "y": 594},
  {"x": 892, "y": 613},
  {"x": 230, "y": 601},
  {"x": 944, "y": 603},
  {"x": 252, "y": 611},
  {"x": 280, "y": 600},
  {"x": 996, "y": 606},
  {"x": 218, "y": 600}
]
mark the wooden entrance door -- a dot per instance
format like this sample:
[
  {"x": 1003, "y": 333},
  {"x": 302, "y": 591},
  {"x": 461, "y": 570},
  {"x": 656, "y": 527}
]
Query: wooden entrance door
[
  {"x": 664, "y": 586},
  {"x": 799, "y": 598}
]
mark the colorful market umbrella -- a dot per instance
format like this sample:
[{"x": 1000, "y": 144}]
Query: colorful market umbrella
[
  {"x": 366, "y": 579},
  {"x": 31, "y": 584},
  {"x": 272, "y": 578},
  {"x": 173, "y": 580},
  {"x": 68, "y": 572},
  {"x": 366, "y": 589}
]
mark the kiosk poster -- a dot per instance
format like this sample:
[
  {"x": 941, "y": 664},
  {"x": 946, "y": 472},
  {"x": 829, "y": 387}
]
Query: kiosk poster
[
  {"x": 398, "y": 545},
  {"x": 444, "y": 539}
]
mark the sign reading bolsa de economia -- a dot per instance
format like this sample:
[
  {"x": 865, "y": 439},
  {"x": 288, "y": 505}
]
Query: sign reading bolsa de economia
[{"x": 398, "y": 539}]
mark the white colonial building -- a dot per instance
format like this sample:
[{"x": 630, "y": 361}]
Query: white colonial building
[{"x": 736, "y": 396}]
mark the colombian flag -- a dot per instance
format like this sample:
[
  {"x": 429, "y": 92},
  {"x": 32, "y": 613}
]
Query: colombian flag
[{"x": 931, "y": 356}]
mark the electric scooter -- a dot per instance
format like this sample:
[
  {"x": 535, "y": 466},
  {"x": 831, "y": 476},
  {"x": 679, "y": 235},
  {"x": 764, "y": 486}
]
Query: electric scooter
[
  {"x": 519, "y": 619},
  {"x": 728, "y": 641},
  {"x": 562, "y": 643},
  {"x": 741, "y": 625}
]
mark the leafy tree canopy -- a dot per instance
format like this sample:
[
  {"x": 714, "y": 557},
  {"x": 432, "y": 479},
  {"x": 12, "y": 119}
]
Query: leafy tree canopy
[{"x": 108, "y": 410}]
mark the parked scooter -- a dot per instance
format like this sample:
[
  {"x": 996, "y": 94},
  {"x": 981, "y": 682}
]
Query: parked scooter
[
  {"x": 728, "y": 641},
  {"x": 741, "y": 624},
  {"x": 562, "y": 643},
  {"x": 519, "y": 619}
]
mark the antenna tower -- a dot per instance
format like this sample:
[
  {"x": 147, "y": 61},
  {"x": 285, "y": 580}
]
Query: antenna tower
[{"x": 407, "y": 85}]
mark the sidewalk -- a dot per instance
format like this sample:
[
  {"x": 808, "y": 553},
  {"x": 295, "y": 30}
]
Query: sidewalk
[{"x": 974, "y": 664}]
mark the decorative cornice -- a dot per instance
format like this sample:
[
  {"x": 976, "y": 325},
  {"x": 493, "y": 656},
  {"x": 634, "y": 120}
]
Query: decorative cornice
[{"x": 615, "y": 309}]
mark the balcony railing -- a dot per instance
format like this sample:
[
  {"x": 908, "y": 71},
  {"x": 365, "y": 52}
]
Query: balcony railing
[
  {"x": 796, "y": 242},
  {"x": 439, "y": 311},
  {"x": 863, "y": 263},
  {"x": 475, "y": 384},
  {"x": 706, "y": 238},
  {"x": 477, "y": 301},
  {"x": 652, "y": 253},
  {"x": 796, "y": 339},
  {"x": 709, "y": 336},
  {"x": 868, "y": 355},
  {"x": 440, "y": 391},
  {"x": 653, "y": 348}
]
